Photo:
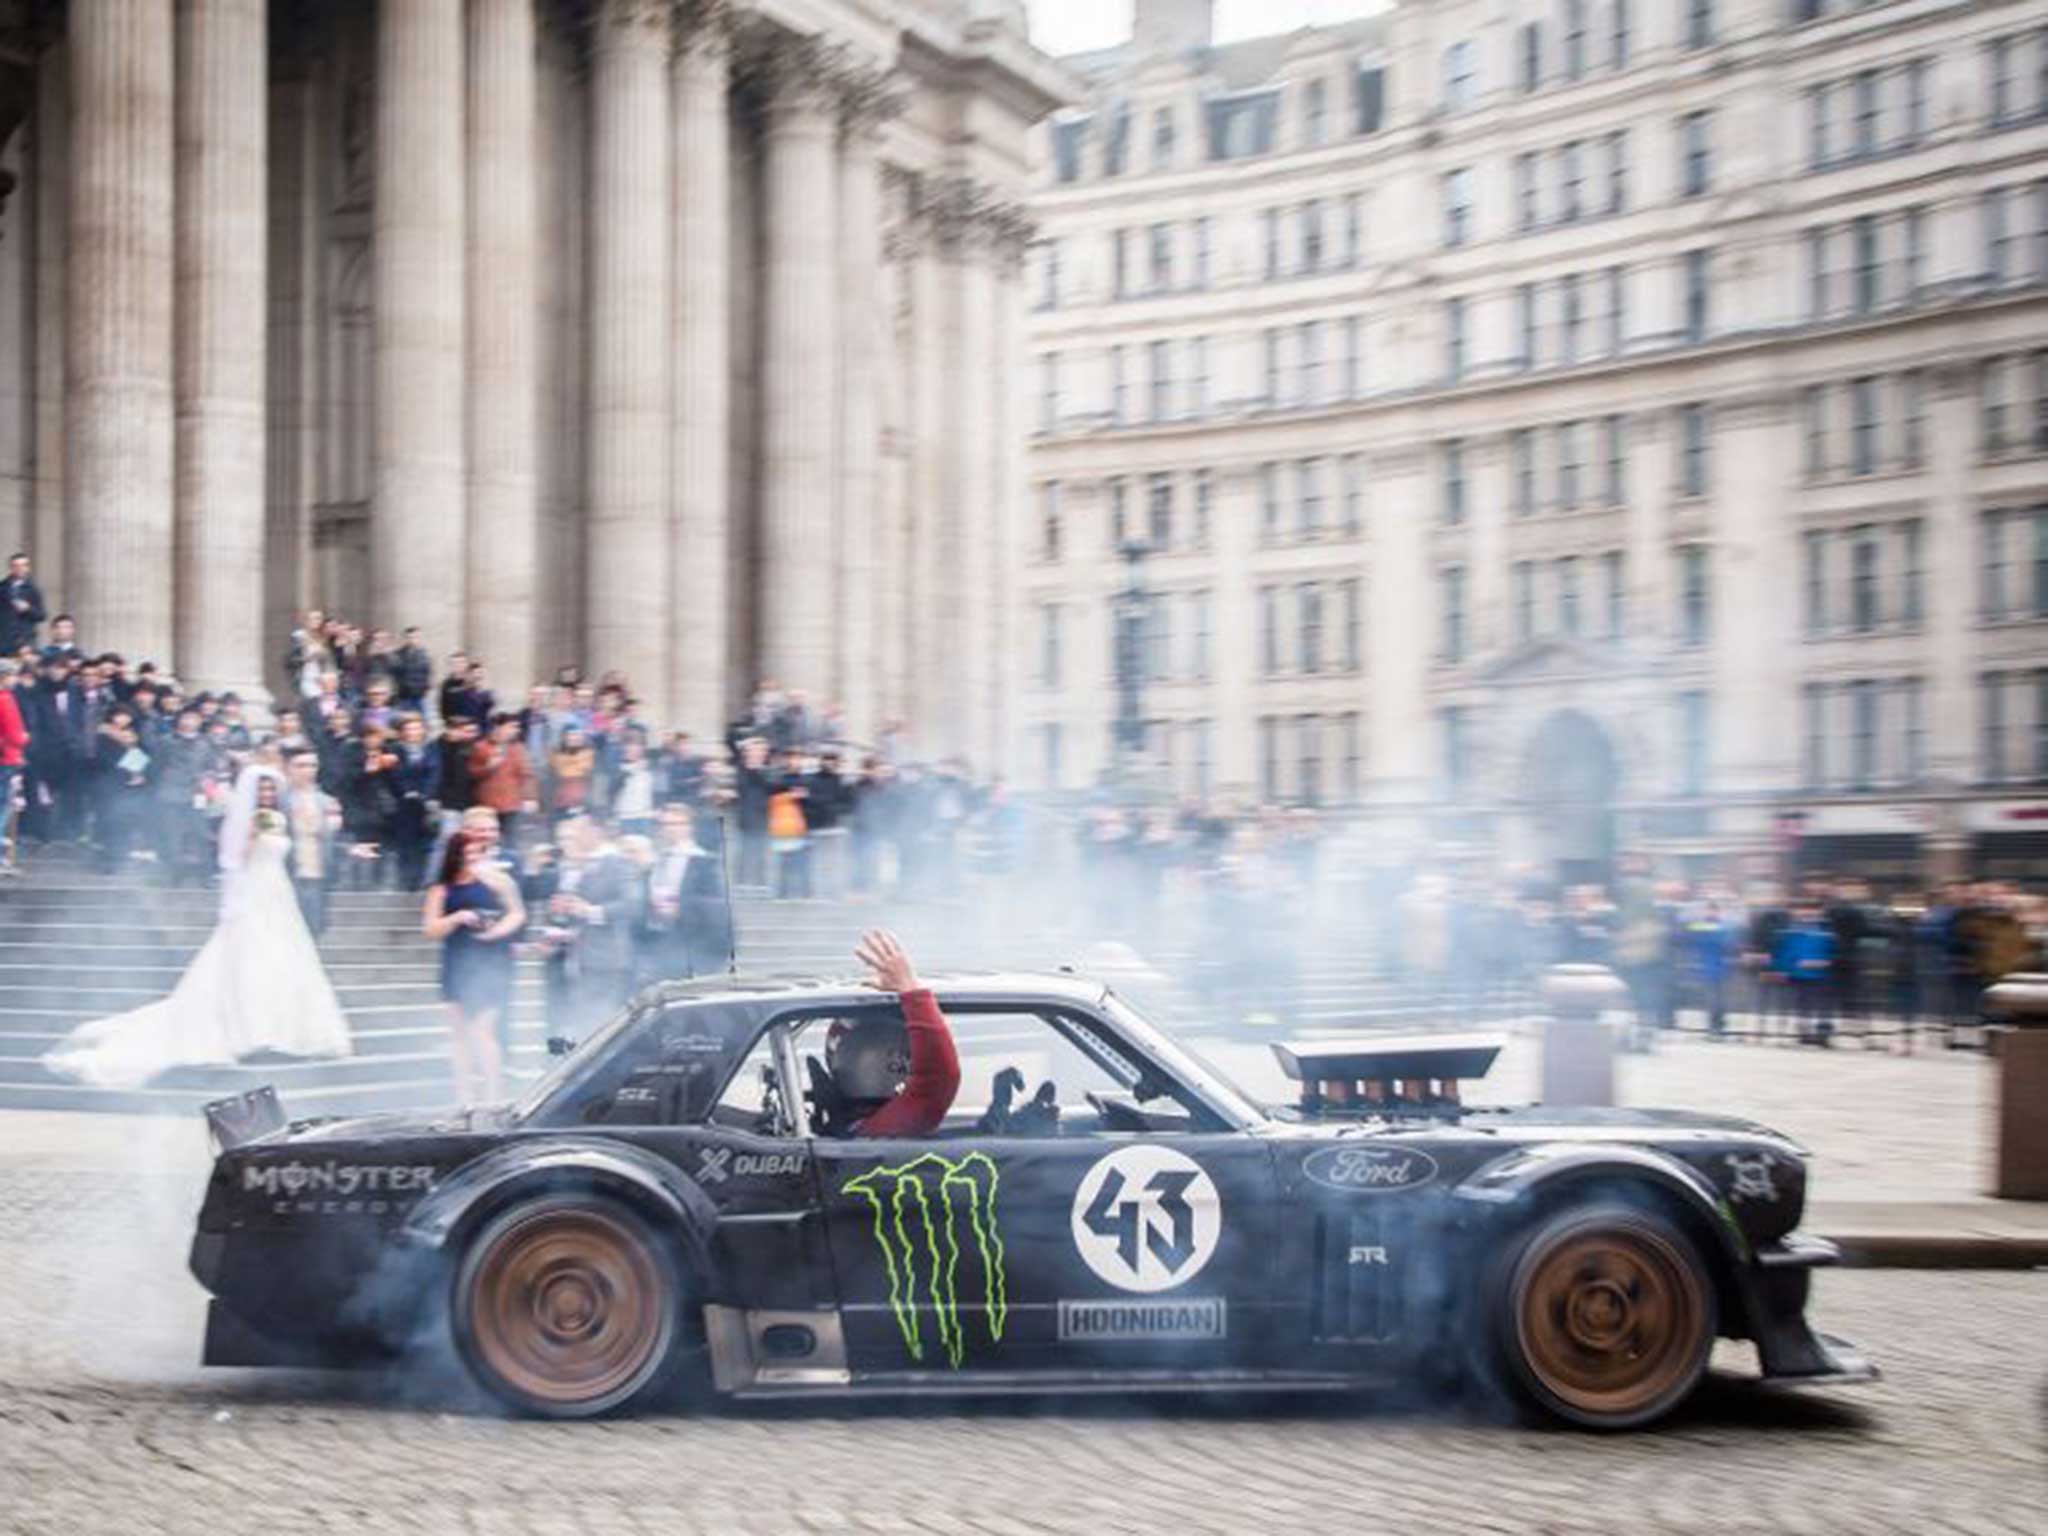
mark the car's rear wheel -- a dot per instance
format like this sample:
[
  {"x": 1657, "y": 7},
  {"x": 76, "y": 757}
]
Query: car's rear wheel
[
  {"x": 568, "y": 1306},
  {"x": 1604, "y": 1316}
]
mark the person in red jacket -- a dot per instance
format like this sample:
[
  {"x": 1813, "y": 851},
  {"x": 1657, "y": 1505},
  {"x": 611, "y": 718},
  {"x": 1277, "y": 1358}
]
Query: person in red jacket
[
  {"x": 13, "y": 747},
  {"x": 900, "y": 1079}
]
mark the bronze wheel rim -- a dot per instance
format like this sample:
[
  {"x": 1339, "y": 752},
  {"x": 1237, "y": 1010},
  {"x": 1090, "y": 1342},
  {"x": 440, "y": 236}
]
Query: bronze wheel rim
[
  {"x": 1610, "y": 1321},
  {"x": 567, "y": 1308}
]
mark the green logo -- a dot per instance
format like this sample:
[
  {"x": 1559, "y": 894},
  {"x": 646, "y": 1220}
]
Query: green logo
[{"x": 919, "y": 1208}]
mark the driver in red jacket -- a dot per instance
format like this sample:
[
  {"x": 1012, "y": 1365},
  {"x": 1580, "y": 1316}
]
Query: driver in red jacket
[{"x": 909, "y": 1072}]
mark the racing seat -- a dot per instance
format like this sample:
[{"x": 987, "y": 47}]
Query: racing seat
[{"x": 832, "y": 1113}]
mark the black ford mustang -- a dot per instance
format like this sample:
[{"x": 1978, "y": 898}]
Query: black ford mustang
[{"x": 671, "y": 1198}]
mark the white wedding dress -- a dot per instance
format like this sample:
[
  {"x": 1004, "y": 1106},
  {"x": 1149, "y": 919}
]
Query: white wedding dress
[{"x": 257, "y": 985}]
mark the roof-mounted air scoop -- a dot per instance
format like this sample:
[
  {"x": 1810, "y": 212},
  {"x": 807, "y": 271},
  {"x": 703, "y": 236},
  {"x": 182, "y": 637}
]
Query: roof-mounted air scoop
[{"x": 1386, "y": 1074}]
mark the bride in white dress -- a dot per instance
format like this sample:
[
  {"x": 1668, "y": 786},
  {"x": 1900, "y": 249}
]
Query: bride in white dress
[{"x": 257, "y": 985}]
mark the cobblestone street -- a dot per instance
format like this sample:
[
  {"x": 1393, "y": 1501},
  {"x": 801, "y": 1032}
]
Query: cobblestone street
[{"x": 107, "y": 1426}]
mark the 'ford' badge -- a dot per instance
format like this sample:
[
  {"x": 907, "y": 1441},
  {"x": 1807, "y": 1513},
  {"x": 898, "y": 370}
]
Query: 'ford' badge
[{"x": 1370, "y": 1170}]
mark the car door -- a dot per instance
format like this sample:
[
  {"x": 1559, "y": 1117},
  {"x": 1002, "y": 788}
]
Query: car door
[{"x": 1035, "y": 1245}]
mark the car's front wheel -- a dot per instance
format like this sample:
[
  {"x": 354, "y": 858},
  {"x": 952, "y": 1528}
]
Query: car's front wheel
[
  {"x": 1604, "y": 1315},
  {"x": 568, "y": 1306}
]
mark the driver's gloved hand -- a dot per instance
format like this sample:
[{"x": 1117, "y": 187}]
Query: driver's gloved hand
[
  {"x": 996, "y": 1118},
  {"x": 1040, "y": 1117}
]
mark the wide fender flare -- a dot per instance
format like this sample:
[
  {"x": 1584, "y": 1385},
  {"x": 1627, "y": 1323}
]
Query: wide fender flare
[
  {"x": 1519, "y": 1176},
  {"x": 621, "y": 1167}
]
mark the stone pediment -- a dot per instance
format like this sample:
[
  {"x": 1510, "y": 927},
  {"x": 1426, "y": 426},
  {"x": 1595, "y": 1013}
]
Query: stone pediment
[{"x": 1557, "y": 658}]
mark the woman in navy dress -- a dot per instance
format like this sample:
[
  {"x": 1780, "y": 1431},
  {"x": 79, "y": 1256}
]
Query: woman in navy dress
[{"x": 474, "y": 910}]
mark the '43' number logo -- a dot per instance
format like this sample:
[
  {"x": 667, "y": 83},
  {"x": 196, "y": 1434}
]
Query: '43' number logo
[{"x": 1146, "y": 1218}]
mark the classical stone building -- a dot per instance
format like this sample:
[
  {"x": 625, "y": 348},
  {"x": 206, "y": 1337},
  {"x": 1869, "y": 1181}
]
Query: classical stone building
[
  {"x": 1558, "y": 425},
  {"x": 672, "y": 336}
]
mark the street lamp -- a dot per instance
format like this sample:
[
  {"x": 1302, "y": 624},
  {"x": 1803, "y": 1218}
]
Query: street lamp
[{"x": 1131, "y": 607}]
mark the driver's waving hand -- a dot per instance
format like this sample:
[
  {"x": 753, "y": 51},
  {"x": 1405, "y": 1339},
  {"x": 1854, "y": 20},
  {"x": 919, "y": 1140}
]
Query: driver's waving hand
[{"x": 910, "y": 1075}]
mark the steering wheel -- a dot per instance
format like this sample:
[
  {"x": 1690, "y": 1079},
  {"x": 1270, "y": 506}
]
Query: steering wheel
[{"x": 1118, "y": 1114}]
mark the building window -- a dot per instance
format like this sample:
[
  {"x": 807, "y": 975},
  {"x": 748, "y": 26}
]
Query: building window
[
  {"x": 1524, "y": 576},
  {"x": 1618, "y": 35},
  {"x": 1354, "y": 495},
  {"x": 1694, "y": 600},
  {"x": 1529, "y": 57},
  {"x": 1454, "y": 482},
  {"x": 1368, "y": 99},
  {"x": 1068, "y": 140},
  {"x": 1353, "y": 358},
  {"x": 1813, "y": 410},
  {"x": 2041, "y": 723},
  {"x": 1991, "y": 403},
  {"x": 1308, "y": 732},
  {"x": 1815, "y": 550},
  {"x": 1454, "y": 340},
  {"x": 1693, "y": 446},
  {"x": 1351, "y": 616},
  {"x": 1308, "y": 604},
  {"x": 1049, "y": 645},
  {"x": 1201, "y": 734},
  {"x": 1272, "y": 397},
  {"x": 1049, "y": 392},
  {"x": 1617, "y": 310},
  {"x": 1119, "y": 527},
  {"x": 1865, "y": 611},
  {"x": 1456, "y": 749},
  {"x": 1991, "y": 599},
  {"x": 1617, "y": 171},
  {"x": 1915, "y": 260},
  {"x": 1998, "y": 67},
  {"x": 1992, "y": 688},
  {"x": 1862, "y": 734},
  {"x": 2040, "y": 369},
  {"x": 1202, "y": 252},
  {"x": 1568, "y": 597},
  {"x": 1049, "y": 274},
  {"x": 1522, "y": 469},
  {"x": 1916, "y": 101},
  {"x": 1863, "y": 242},
  {"x": 1269, "y": 631},
  {"x": 1699, "y": 24},
  {"x": 1568, "y": 465},
  {"x": 1865, "y": 97},
  {"x": 1354, "y": 229},
  {"x": 1913, "y": 702},
  {"x": 1863, "y": 426},
  {"x": 1308, "y": 484},
  {"x": 1696, "y": 169},
  {"x": 1525, "y": 324},
  {"x": 1460, "y": 76},
  {"x": 1999, "y": 239},
  {"x": 1813, "y": 756},
  {"x": 1198, "y": 377},
  {"x": 1312, "y": 236},
  {"x": 1525, "y": 192},
  {"x": 1912, "y": 418},
  {"x": 1162, "y": 139},
  {"x": 1574, "y": 38},
  {"x": 1117, "y": 145},
  {"x": 1692, "y": 743},
  {"x": 1568, "y": 320},
  {"x": 1160, "y": 360},
  {"x": 1205, "y": 506},
  {"x": 1159, "y": 511},
  {"x": 1697, "y": 295},
  {"x": 1269, "y": 759},
  {"x": 1161, "y": 253},
  {"x": 1316, "y": 115},
  {"x": 1451, "y": 586},
  {"x": 1271, "y": 218},
  {"x": 1816, "y": 274},
  {"x": 1913, "y": 571},
  {"x": 1614, "y": 590},
  {"x": 2039, "y": 518},
  {"x": 1818, "y": 148},
  {"x": 1309, "y": 348},
  {"x": 1347, "y": 731},
  {"x": 1457, "y": 199},
  {"x": 1269, "y": 502},
  {"x": 1049, "y": 522},
  {"x": 1571, "y": 176},
  {"x": 1614, "y": 431},
  {"x": 1116, "y": 386},
  {"x": 1049, "y": 754}
]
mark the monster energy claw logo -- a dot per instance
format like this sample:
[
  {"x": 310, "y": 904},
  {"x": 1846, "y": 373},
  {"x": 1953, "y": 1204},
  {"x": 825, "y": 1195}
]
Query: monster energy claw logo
[{"x": 919, "y": 1209}]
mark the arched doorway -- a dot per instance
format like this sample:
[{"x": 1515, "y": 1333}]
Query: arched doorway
[{"x": 1569, "y": 783}]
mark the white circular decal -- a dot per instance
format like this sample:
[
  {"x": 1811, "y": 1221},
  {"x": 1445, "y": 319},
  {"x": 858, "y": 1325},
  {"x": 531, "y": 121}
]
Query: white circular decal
[{"x": 1146, "y": 1218}]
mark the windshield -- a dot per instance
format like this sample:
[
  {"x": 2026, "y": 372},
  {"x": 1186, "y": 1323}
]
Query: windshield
[
  {"x": 1184, "y": 1063},
  {"x": 578, "y": 1064}
]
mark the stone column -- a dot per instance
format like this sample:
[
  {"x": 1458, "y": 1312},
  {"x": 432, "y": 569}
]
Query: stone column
[
  {"x": 701, "y": 527},
  {"x": 52, "y": 231},
  {"x": 1007, "y": 548},
  {"x": 960, "y": 602},
  {"x": 418, "y": 556},
  {"x": 799, "y": 390},
  {"x": 118, "y": 427},
  {"x": 627, "y": 620},
  {"x": 503, "y": 343},
  {"x": 856, "y": 653},
  {"x": 223, "y": 110},
  {"x": 924, "y": 557}
]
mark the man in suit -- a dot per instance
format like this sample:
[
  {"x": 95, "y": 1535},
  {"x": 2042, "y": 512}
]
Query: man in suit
[
  {"x": 412, "y": 672},
  {"x": 592, "y": 900},
  {"x": 21, "y": 607},
  {"x": 56, "y": 753},
  {"x": 312, "y": 818},
  {"x": 683, "y": 929}
]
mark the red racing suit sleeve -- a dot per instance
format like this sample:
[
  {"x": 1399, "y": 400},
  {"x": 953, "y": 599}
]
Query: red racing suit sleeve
[{"x": 920, "y": 1105}]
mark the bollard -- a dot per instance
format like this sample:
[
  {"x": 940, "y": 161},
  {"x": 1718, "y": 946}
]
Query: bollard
[
  {"x": 2019, "y": 1004},
  {"x": 1578, "y": 1047}
]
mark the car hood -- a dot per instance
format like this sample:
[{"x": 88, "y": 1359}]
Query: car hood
[
  {"x": 387, "y": 1125},
  {"x": 1550, "y": 1123}
]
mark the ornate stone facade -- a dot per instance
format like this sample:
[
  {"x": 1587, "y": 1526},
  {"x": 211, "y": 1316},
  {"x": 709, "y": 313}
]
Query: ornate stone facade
[{"x": 578, "y": 327}]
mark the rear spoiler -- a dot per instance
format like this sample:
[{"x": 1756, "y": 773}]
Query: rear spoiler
[
  {"x": 1373, "y": 1074},
  {"x": 244, "y": 1118}
]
